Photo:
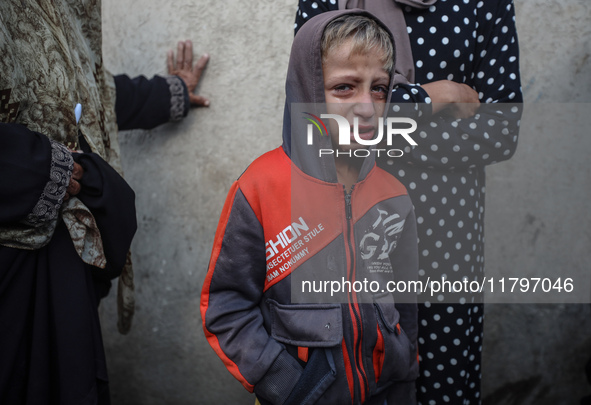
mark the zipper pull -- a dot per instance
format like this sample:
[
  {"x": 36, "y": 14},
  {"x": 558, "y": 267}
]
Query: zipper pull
[{"x": 348, "y": 209}]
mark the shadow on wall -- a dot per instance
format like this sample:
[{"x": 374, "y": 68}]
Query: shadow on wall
[
  {"x": 528, "y": 390},
  {"x": 518, "y": 392},
  {"x": 587, "y": 399}
]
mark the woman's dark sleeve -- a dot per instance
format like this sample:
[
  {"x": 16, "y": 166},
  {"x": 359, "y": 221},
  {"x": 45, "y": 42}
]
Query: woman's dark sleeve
[
  {"x": 145, "y": 104},
  {"x": 112, "y": 203},
  {"x": 35, "y": 173}
]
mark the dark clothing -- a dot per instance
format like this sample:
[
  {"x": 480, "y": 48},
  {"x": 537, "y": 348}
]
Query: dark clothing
[
  {"x": 50, "y": 339},
  {"x": 145, "y": 104},
  {"x": 57, "y": 257},
  {"x": 472, "y": 42},
  {"x": 51, "y": 348}
]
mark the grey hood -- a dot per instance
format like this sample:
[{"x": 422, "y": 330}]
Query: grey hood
[{"x": 305, "y": 85}]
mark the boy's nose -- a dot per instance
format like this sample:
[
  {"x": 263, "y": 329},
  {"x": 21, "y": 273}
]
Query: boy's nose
[
  {"x": 364, "y": 106},
  {"x": 364, "y": 110}
]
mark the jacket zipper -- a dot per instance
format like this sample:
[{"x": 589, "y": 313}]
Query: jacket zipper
[
  {"x": 348, "y": 209},
  {"x": 353, "y": 305}
]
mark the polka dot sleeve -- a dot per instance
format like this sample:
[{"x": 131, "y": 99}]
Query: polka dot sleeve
[
  {"x": 486, "y": 57},
  {"x": 310, "y": 8},
  {"x": 496, "y": 69}
]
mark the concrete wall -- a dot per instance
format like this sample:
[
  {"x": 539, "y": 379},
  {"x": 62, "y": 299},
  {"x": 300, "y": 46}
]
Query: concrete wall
[{"x": 536, "y": 215}]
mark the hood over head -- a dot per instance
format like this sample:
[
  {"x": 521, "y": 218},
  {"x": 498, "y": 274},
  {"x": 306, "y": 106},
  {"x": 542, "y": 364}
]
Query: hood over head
[{"x": 304, "y": 89}]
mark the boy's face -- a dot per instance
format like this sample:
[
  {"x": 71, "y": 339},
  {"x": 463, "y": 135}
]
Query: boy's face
[{"x": 355, "y": 85}]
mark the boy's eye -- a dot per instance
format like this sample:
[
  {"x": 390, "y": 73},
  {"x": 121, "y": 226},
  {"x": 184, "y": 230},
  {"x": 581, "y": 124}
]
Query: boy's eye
[
  {"x": 380, "y": 91},
  {"x": 342, "y": 88}
]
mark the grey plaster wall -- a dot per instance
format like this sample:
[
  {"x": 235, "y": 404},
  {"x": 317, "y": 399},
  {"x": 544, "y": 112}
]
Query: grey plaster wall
[
  {"x": 537, "y": 210},
  {"x": 537, "y": 214}
]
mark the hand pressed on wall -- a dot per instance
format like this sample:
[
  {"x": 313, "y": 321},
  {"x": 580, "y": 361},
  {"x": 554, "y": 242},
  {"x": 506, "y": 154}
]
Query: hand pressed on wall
[{"x": 184, "y": 69}]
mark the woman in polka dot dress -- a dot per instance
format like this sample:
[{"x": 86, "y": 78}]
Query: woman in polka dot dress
[{"x": 464, "y": 51}]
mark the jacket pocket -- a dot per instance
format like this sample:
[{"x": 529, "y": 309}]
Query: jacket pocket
[
  {"x": 314, "y": 327},
  {"x": 306, "y": 325},
  {"x": 318, "y": 376},
  {"x": 392, "y": 354}
]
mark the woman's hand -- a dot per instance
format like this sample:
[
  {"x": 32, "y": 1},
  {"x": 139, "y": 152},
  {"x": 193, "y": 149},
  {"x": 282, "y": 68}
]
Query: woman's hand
[
  {"x": 459, "y": 99},
  {"x": 186, "y": 71},
  {"x": 74, "y": 186}
]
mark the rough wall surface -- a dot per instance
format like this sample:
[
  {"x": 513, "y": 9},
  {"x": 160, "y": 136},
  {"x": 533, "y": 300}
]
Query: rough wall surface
[{"x": 536, "y": 214}]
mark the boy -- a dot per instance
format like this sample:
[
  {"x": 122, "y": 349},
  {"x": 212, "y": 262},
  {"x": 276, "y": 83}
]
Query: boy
[{"x": 318, "y": 209}]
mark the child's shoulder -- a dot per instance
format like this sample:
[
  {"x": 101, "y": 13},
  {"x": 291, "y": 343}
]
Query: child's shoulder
[
  {"x": 271, "y": 166},
  {"x": 386, "y": 178}
]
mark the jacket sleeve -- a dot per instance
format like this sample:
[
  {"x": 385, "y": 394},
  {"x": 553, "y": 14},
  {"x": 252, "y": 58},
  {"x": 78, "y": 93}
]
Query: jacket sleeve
[
  {"x": 491, "y": 135},
  {"x": 230, "y": 299},
  {"x": 145, "y": 104},
  {"x": 35, "y": 174}
]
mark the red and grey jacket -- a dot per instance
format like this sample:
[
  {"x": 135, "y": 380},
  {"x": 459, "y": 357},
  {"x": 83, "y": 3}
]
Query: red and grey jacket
[
  {"x": 296, "y": 300},
  {"x": 267, "y": 342}
]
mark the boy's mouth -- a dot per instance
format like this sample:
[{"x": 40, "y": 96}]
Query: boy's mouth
[{"x": 365, "y": 132}]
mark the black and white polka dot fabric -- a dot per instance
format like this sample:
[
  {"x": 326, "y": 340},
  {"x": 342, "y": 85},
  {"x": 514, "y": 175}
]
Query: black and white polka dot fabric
[{"x": 472, "y": 42}]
